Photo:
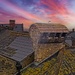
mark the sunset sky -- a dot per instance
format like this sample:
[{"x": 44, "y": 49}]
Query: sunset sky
[{"x": 32, "y": 11}]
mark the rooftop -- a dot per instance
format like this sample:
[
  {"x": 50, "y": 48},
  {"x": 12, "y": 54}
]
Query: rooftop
[
  {"x": 63, "y": 64},
  {"x": 50, "y": 27},
  {"x": 15, "y": 45}
]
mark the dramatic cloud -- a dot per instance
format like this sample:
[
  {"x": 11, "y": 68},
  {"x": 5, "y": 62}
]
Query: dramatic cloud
[{"x": 32, "y": 11}]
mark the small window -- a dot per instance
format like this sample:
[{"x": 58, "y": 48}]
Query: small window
[
  {"x": 15, "y": 26},
  {"x": 63, "y": 34},
  {"x": 45, "y": 34},
  {"x": 58, "y": 34},
  {"x": 52, "y": 35}
]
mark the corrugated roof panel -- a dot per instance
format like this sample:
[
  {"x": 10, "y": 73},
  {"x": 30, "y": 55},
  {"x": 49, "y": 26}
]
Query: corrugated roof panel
[
  {"x": 50, "y": 27},
  {"x": 16, "y": 58},
  {"x": 23, "y": 47}
]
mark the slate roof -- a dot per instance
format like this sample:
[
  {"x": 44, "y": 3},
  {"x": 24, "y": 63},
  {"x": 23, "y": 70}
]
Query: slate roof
[
  {"x": 18, "y": 49},
  {"x": 72, "y": 34},
  {"x": 23, "y": 46}
]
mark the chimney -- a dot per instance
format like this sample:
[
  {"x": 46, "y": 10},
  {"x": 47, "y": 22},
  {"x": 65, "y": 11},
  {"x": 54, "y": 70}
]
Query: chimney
[
  {"x": 12, "y": 23},
  {"x": 73, "y": 30}
]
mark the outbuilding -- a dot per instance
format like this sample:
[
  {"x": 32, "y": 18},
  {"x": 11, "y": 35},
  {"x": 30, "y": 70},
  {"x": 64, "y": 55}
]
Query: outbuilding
[
  {"x": 44, "y": 36},
  {"x": 16, "y": 52}
]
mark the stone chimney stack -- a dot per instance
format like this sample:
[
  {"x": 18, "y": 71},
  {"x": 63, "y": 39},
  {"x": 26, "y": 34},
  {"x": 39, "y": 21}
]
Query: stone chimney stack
[{"x": 12, "y": 23}]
